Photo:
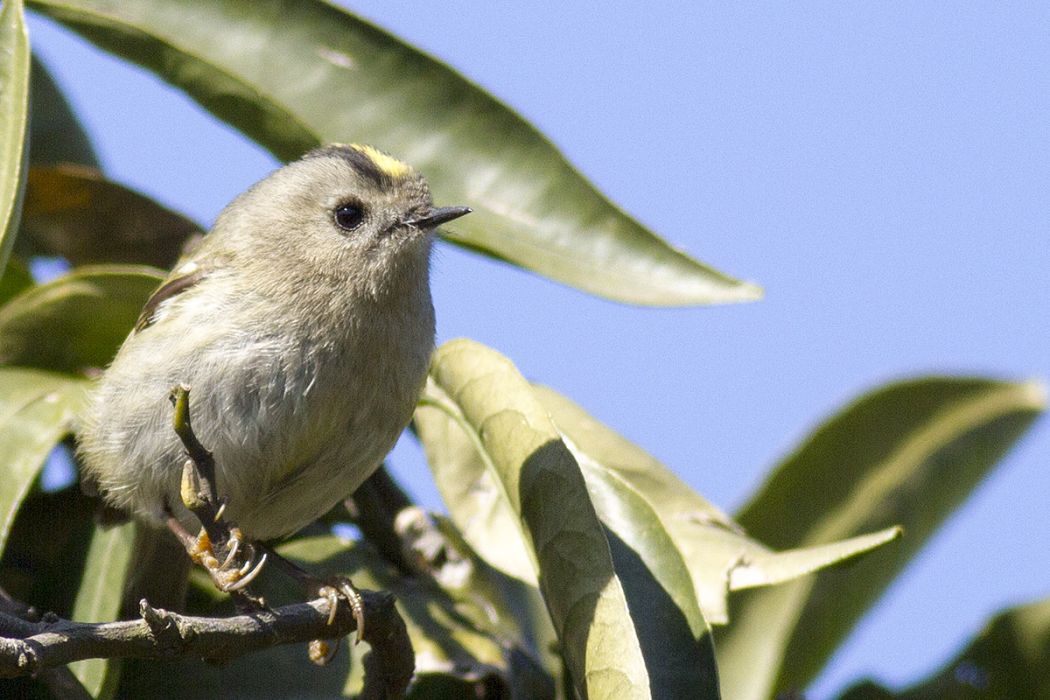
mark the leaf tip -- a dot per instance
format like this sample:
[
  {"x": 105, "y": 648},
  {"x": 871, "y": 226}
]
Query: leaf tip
[
  {"x": 1034, "y": 394},
  {"x": 749, "y": 291},
  {"x": 732, "y": 292}
]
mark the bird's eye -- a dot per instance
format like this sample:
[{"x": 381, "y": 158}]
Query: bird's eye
[{"x": 349, "y": 216}]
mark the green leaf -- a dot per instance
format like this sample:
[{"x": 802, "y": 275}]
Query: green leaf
[
  {"x": 36, "y": 411},
  {"x": 291, "y": 75},
  {"x": 658, "y": 587},
  {"x": 908, "y": 453},
  {"x": 618, "y": 593},
  {"x": 473, "y": 493},
  {"x": 74, "y": 212},
  {"x": 14, "y": 115},
  {"x": 76, "y": 321},
  {"x": 719, "y": 556},
  {"x": 1009, "y": 658},
  {"x": 773, "y": 568},
  {"x": 55, "y": 134},
  {"x": 46, "y": 548},
  {"x": 545, "y": 489},
  {"x": 99, "y": 600}
]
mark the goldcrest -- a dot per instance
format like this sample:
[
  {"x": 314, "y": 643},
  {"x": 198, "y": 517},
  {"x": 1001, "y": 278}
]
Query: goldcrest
[{"x": 303, "y": 324}]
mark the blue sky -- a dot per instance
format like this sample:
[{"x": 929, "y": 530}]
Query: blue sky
[{"x": 882, "y": 169}]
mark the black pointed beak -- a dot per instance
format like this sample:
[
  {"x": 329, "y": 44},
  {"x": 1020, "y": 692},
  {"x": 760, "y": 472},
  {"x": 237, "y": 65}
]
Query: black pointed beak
[{"x": 438, "y": 216}]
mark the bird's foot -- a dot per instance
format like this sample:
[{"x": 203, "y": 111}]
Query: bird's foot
[
  {"x": 232, "y": 563},
  {"x": 239, "y": 565},
  {"x": 333, "y": 589},
  {"x": 342, "y": 587}
]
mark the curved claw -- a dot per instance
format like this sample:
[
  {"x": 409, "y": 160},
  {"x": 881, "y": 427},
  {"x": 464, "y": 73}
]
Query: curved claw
[
  {"x": 332, "y": 596},
  {"x": 247, "y": 566},
  {"x": 234, "y": 547},
  {"x": 246, "y": 578},
  {"x": 357, "y": 606}
]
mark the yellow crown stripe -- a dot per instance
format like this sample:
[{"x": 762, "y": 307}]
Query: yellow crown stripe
[{"x": 387, "y": 164}]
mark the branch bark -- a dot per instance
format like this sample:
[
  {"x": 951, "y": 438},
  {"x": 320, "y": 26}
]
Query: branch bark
[
  {"x": 32, "y": 647},
  {"x": 59, "y": 681}
]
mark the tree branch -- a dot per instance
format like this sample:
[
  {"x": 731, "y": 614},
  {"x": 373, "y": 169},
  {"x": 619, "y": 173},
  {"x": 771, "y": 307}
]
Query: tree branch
[
  {"x": 160, "y": 634},
  {"x": 14, "y": 616}
]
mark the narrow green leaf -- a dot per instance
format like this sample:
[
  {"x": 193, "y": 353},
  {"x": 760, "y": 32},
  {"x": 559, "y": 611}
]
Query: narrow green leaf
[
  {"x": 908, "y": 453},
  {"x": 77, "y": 321},
  {"x": 1009, "y": 658},
  {"x": 14, "y": 116},
  {"x": 99, "y": 599},
  {"x": 544, "y": 487},
  {"x": 720, "y": 557},
  {"x": 772, "y": 568},
  {"x": 293, "y": 74},
  {"x": 55, "y": 134},
  {"x": 75, "y": 212},
  {"x": 658, "y": 587},
  {"x": 36, "y": 411}
]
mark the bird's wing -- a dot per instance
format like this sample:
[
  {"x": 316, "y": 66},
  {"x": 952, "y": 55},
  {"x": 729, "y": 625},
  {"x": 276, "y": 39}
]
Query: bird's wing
[{"x": 183, "y": 278}]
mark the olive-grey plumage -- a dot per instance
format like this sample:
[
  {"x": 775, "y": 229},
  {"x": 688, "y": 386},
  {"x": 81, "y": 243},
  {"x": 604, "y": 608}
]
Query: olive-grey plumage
[{"x": 303, "y": 324}]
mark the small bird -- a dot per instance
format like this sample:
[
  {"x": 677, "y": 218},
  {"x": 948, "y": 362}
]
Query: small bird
[{"x": 303, "y": 323}]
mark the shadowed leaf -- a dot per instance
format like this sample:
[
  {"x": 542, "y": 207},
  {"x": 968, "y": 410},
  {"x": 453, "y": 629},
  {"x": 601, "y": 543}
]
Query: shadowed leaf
[
  {"x": 908, "y": 453},
  {"x": 99, "y": 599},
  {"x": 291, "y": 75},
  {"x": 36, "y": 411},
  {"x": 74, "y": 212},
  {"x": 75, "y": 322},
  {"x": 15, "y": 280},
  {"x": 616, "y": 588},
  {"x": 492, "y": 601},
  {"x": 658, "y": 587}
]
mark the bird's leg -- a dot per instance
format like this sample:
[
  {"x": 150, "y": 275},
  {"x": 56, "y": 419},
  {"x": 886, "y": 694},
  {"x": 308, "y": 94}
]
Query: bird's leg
[
  {"x": 238, "y": 567},
  {"x": 333, "y": 589},
  {"x": 217, "y": 537},
  {"x": 198, "y": 490}
]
